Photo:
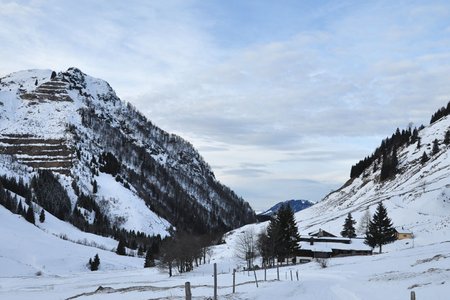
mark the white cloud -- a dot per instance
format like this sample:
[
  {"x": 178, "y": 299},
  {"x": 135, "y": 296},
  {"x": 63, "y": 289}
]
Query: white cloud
[{"x": 294, "y": 104}]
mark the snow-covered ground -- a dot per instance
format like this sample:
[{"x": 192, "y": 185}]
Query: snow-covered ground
[
  {"x": 122, "y": 204},
  {"x": 56, "y": 248},
  {"x": 49, "y": 261},
  {"x": 392, "y": 275}
]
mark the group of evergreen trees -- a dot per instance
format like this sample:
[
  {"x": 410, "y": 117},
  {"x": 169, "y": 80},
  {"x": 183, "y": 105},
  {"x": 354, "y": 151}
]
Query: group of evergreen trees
[
  {"x": 10, "y": 201},
  {"x": 442, "y": 112},
  {"x": 51, "y": 195},
  {"x": 94, "y": 263},
  {"x": 379, "y": 231},
  {"x": 386, "y": 154},
  {"x": 281, "y": 239},
  {"x": 46, "y": 191},
  {"x": 435, "y": 149}
]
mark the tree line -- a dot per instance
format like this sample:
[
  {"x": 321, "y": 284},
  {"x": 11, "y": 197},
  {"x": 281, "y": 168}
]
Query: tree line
[
  {"x": 440, "y": 113},
  {"x": 386, "y": 154}
]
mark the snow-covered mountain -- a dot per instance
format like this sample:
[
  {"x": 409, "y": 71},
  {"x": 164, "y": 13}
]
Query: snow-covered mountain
[
  {"x": 295, "y": 205},
  {"x": 417, "y": 194},
  {"x": 142, "y": 178}
]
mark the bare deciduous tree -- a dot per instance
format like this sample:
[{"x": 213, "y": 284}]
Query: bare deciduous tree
[
  {"x": 364, "y": 222},
  {"x": 246, "y": 246}
]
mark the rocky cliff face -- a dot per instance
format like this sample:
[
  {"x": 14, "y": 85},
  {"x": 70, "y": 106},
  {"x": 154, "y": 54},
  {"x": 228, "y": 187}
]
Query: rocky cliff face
[{"x": 75, "y": 125}]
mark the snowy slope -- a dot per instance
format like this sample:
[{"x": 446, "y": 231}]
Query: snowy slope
[
  {"x": 393, "y": 275},
  {"x": 122, "y": 204},
  {"x": 417, "y": 199},
  {"x": 27, "y": 249}
]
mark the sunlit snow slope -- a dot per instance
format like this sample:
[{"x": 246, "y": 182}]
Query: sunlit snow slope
[{"x": 417, "y": 199}]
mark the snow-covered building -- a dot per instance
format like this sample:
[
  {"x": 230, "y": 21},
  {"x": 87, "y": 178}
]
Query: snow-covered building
[{"x": 322, "y": 244}]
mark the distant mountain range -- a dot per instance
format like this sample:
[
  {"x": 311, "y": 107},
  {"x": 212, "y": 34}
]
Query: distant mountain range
[{"x": 296, "y": 206}]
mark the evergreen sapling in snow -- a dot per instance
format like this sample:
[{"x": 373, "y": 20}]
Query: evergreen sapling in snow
[{"x": 42, "y": 216}]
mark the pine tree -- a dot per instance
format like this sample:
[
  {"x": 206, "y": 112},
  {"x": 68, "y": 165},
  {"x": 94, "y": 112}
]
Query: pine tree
[
  {"x": 447, "y": 137},
  {"x": 269, "y": 242},
  {"x": 349, "y": 228},
  {"x": 394, "y": 161},
  {"x": 94, "y": 187},
  {"x": 149, "y": 259},
  {"x": 380, "y": 231},
  {"x": 435, "y": 147},
  {"x": 96, "y": 262},
  {"x": 20, "y": 208},
  {"x": 288, "y": 236},
  {"x": 140, "y": 251},
  {"x": 424, "y": 158},
  {"x": 42, "y": 216},
  {"x": 30, "y": 215},
  {"x": 121, "y": 248},
  {"x": 415, "y": 136}
]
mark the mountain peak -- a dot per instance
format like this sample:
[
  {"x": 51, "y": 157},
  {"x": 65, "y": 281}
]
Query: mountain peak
[
  {"x": 295, "y": 205},
  {"x": 74, "y": 125}
]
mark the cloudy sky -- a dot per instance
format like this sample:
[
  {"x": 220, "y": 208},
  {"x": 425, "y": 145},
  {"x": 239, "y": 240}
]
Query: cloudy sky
[{"x": 280, "y": 97}]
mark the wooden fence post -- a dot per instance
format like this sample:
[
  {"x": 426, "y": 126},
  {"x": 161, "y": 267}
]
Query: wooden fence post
[
  {"x": 413, "y": 295},
  {"x": 215, "y": 281},
  {"x": 297, "y": 274},
  {"x": 265, "y": 273},
  {"x": 187, "y": 288},
  {"x": 291, "y": 274},
  {"x": 278, "y": 273},
  {"x": 234, "y": 281},
  {"x": 256, "y": 279}
]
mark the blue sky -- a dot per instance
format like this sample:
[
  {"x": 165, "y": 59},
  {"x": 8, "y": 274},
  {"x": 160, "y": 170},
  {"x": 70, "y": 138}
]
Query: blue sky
[{"x": 280, "y": 97}]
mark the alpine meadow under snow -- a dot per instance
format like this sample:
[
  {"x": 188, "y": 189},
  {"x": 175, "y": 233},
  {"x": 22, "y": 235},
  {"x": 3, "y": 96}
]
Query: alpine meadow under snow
[{"x": 102, "y": 172}]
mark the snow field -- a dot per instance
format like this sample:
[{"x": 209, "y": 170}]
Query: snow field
[
  {"x": 122, "y": 203},
  {"x": 387, "y": 276}
]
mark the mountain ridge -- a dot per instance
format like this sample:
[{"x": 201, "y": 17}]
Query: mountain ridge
[
  {"x": 295, "y": 204},
  {"x": 417, "y": 194},
  {"x": 75, "y": 125}
]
